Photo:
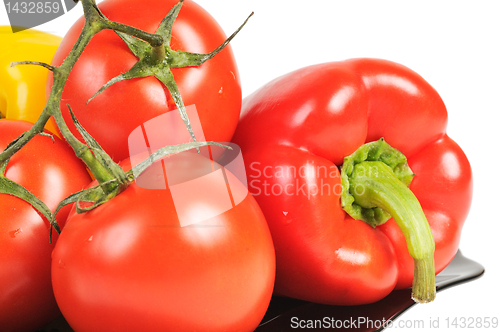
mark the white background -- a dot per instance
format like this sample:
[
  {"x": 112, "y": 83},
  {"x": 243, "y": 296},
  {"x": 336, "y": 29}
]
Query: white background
[{"x": 452, "y": 44}]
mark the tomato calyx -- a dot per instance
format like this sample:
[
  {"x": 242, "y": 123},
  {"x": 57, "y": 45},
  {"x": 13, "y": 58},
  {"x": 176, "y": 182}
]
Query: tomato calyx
[
  {"x": 158, "y": 59},
  {"x": 10, "y": 187},
  {"x": 90, "y": 198},
  {"x": 375, "y": 180}
]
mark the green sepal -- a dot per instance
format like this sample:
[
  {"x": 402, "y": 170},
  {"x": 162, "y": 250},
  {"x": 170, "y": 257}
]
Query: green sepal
[
  {"x": 10, "y": 187},
  {"x": 168, "y": 150},
  {"x": 93, "y": 197},
  {"x": 96, "y": 195},
  {"x": 187, "y": 59},
  {"x": 137, "y": 70},
  {"x": 48, "y": 135},
  {"x": 167, "y": 78},
  {"x": 165, "y": 27},
  {"x": 98, "y": 151},
  {"x": 374, "y": 151}
]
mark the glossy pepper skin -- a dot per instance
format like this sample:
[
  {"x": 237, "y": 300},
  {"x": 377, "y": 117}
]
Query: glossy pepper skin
[
  {"x": 295, "y": 133},
  {"x": 22, "y": 87}
]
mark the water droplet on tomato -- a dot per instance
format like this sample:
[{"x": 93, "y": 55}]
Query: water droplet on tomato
[
  {"x": 286, "y": 220},
  {"x": 13, "y": 233},
  {"x": 90, "y": 238}
]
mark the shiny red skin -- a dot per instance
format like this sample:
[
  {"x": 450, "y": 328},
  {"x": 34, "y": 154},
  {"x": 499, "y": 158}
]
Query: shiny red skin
[
  {"x": 214, "y": 87},
  {"x": 129, "y": 266},
  {"x": 313, "y": 118},
  {"x": 51, "y": 172}
]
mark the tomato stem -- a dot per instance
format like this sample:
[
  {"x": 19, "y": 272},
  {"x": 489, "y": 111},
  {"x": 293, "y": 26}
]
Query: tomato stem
[
  {"x": 158, "y": 54},
  {"x": 82, "y": 151},
  {"x": 10, "y": 187},
  {"x": 152, "y": 39},
  {"x": 45, "y": 65},
  {"x": 16, "y": 145},
  {"x": 375, "y": 182}
]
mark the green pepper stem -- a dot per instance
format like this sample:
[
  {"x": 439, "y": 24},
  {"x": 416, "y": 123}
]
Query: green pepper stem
[
  {"x": 375, "y": 185},
  {"x": 424, "y": 281},
  {"x": 375, "y": 181}
]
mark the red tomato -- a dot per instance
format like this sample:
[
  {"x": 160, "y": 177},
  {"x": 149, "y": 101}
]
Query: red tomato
[
  {"x": 51, "y": 172},
  {"x": 214, "y": 87},
  {"x": 128, "y": 265}
]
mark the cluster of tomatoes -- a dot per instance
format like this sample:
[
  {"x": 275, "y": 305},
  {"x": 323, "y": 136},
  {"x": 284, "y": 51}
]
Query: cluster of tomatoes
[{"x": 127, "y": 265}]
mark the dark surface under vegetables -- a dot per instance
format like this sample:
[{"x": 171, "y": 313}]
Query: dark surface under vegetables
[{"x": 281, "y": 310}]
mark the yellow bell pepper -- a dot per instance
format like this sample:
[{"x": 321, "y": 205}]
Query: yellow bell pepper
[{"x": 22, "y": 87}]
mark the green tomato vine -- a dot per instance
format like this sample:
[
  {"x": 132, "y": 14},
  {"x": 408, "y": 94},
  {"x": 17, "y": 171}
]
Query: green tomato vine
[{"x": 155, "y": 58}]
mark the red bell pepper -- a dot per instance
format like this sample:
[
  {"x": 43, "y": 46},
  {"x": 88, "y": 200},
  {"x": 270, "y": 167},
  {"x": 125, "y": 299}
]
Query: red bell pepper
[{"x": 335, "y": 240}]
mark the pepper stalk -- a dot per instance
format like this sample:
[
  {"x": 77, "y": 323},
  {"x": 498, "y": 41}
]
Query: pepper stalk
[{"x": 375, "y": 181}]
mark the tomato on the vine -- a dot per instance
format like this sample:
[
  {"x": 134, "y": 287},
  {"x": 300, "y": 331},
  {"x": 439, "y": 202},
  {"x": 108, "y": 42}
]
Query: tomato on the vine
[
  {"x": 213, "y": 87},
  {"x": 129, "y": 265},
  {"x": 50, "y": 171}
]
